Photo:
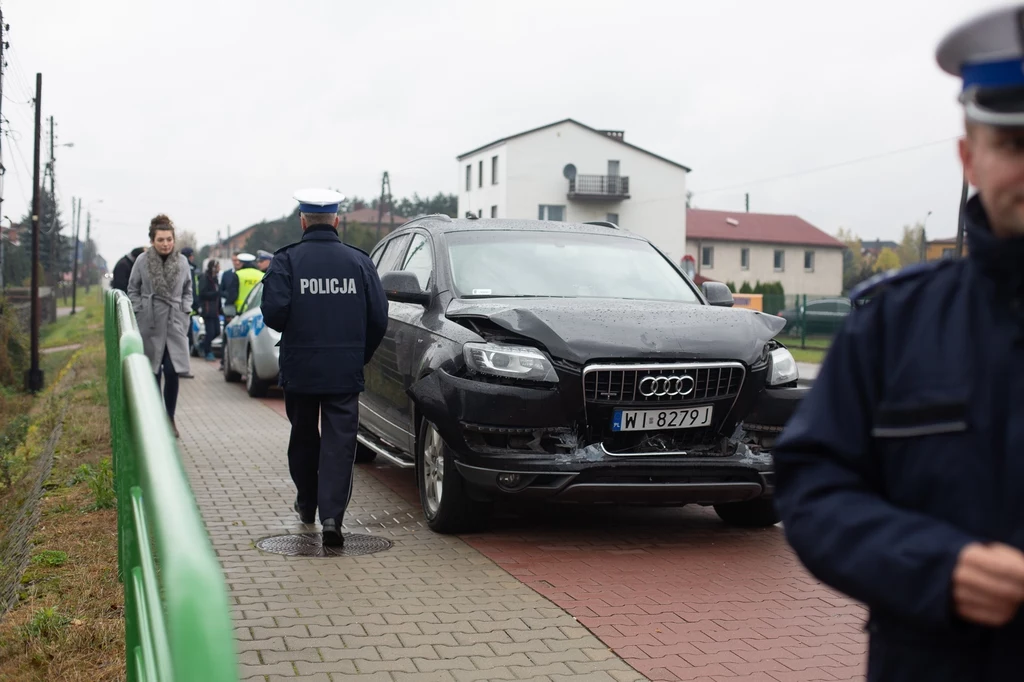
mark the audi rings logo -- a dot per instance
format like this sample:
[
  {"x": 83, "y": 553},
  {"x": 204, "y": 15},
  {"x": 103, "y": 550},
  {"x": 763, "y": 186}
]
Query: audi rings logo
[{"x": 676, "y": 387}]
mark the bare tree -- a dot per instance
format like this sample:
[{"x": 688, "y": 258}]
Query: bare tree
[{"x": 187, "y": 238}]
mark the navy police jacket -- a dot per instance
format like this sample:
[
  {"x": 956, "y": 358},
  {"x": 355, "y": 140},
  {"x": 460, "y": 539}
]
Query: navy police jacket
[
  {"x": 327, "y": 301},
  {"x": 909, "y": 447}
]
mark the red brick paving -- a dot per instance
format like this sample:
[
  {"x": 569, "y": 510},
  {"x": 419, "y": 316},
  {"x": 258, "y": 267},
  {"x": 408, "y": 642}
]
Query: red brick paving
[{"x": 676, "y": 593}]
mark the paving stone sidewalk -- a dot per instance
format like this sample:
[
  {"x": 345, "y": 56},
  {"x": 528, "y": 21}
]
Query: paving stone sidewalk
[{"x": 429, "y": 608}]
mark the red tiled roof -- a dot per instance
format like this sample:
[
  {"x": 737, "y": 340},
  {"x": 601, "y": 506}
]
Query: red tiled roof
[
  {"x": 368, "y": 216},
  {"x": 761, "y": 228}
]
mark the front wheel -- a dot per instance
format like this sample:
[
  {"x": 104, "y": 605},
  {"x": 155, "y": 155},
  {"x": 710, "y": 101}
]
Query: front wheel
[
  {"x": 759, "y": 513},
  {"x": 256, "y": 387},
  {"x": 443, "y": 495},
  {"x": 230, "y": 375}
]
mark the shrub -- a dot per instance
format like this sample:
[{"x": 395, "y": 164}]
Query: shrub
[
  {"x": 13, "y": 347},
  {"x": 101, "y": 482}
]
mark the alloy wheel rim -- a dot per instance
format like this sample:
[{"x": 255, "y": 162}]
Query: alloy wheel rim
[{"x": 433, "y": 470}]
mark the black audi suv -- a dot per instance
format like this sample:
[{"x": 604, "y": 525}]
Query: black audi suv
[{"x": 573, "y": 362}]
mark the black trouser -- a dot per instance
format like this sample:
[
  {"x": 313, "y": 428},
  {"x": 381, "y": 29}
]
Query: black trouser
[
  {"x": 322, "y": 450},
  {"x": 212, "y": 325},
  {"x": 170, "y": 383}
]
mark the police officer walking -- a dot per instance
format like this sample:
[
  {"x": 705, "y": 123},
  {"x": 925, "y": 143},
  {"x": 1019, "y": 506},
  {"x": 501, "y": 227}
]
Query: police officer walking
[
  {"x": 901, "y": 477},
  {"x": 326, "y": 299}
]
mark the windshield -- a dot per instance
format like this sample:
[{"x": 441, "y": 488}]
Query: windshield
[{"x": 491, "y": 264}]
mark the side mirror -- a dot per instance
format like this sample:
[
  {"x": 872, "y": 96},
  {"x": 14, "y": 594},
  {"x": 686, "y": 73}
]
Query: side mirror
[
  {"x": 717, "y": 294},
  {"x": 403, "y": 286}
]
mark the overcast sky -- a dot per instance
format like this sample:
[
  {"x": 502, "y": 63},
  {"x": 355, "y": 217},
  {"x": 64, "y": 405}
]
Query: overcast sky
[{"x": 215, "y": 111}]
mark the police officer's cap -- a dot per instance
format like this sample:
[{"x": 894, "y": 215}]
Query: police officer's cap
[
  {"x": 246, "y": 258},
  {"x": 318, "y": 200},
  {"x": 264, "y": 255},
  {"x": 987, "y": 53}
]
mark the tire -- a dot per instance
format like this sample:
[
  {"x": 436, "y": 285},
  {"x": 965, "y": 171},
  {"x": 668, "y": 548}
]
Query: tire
[
  {"x": 230, "y": 376},
  {"x": 254, "y": 386},
  {"x": 443, "y": 495},
  {"x": 758, "y": 513},
  {"x": 364, "y": 455}
]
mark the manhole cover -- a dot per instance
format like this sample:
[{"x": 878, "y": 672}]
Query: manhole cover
[{"x": 311, "y": 545}]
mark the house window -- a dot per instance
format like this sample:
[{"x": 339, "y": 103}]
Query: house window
[
  {"x": 809, "y": 261},
  {"x": 947, "y": 253},
  {"x": 780, "y": 260},
  {"x": 707, "y": 257},
  {"x": 494, "y": 170},
  {"x": 494, "y": 211},
  {"x": 480, "y": 213},
  {"x": 480, "y": 179},
  {"x": 745, "y": 259},
  {"x": 550, "y": 212},
  {"x": 469, "y": 177},
  {"x": 612, "y": 218}
]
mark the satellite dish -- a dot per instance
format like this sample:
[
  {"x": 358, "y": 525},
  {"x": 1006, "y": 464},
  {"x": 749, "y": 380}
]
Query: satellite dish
[{"x": 569, "y": 172}]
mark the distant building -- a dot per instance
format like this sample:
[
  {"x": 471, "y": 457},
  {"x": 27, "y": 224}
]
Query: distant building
[
  {"x": 571, "y": 172},
  {"x": 938, "y": 249},
  {"x": 742, "y": 247}
]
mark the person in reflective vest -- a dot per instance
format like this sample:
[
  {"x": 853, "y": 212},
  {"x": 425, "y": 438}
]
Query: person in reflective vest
[{"x": 248, "y": 277}]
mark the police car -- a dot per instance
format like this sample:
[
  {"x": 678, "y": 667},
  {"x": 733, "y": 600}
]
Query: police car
[
  {"x": 250, "y": 347},
  {"x": 573, "y": 363}
]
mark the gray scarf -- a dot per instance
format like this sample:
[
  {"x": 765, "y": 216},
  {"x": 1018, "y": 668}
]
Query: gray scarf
[{"x": 163, "y": 274}]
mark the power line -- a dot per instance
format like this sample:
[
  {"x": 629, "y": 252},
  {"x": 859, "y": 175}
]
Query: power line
[{"x": 820, "y": 169}]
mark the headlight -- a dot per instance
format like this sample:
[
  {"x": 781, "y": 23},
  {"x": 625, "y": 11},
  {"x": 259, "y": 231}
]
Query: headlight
[
  {"x": 515, "y": 362},
  {"x": 783, "y": 369}
]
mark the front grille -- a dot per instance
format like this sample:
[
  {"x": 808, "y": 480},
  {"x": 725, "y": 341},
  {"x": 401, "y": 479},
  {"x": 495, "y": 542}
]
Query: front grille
[{"x": 626, "y": 385}]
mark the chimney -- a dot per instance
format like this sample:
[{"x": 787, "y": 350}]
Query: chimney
[{"x": 615, "y": 134}]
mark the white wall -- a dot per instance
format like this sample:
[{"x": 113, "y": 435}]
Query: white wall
[
  {"x": 826, "y": 280},
  {"x": 656, "y": 208},
  {"x": 490, "y": 194}
]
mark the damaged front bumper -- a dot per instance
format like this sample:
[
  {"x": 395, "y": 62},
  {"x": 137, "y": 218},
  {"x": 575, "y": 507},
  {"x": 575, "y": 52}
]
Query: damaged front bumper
[{"x": 512, "y": 440}]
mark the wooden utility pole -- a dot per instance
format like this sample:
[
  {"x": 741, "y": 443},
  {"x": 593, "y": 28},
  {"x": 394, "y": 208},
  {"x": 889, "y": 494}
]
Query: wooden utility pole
[
  {"x": 77, "y": 230},
  {"x": 3, "y": 171},
  {"x": 960, "y": 220},
  {"x": 34, "y": 376},
  {"x": 53, "y": 234},
  {"x": 385, "y": 195},
  {"x": 87, "y": 252}
]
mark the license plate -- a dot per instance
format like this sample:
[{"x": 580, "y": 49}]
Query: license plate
[{"x": 656, "y": 420}]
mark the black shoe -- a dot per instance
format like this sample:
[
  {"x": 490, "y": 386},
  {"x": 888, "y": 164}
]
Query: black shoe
[
  {"x": 305, "y": 518},
  {"x": 187, "y": 375},
  {"x": 331, "y": 534}
]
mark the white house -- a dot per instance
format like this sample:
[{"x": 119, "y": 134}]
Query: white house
[
  {"x": 572, "y": 172},
  {"x": 751, "y": 247}
]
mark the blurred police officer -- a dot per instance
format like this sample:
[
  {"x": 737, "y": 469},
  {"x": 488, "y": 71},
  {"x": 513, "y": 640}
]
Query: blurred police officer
[
  {"x": 327, "y": 301},
  {"x": 901, "y": 477},
  {"x": 263, "y": 259}
]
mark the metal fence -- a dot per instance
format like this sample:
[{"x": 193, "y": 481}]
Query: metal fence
[
  {"x": 177, "y": 619},
  {"x": 811, "y": 321}
]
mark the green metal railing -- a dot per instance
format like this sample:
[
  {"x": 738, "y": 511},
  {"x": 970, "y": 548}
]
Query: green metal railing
[{"x": 177, "y": 619}]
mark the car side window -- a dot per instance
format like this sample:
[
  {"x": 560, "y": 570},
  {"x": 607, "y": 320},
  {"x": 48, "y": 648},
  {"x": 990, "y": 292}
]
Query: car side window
[
  {"x": 377, "y": 253},
  {"x": 255, "y": 298},
  {"x": 389, "y": 262},
  {"x": 420, "y": 260}
]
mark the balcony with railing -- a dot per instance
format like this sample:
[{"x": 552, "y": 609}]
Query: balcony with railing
[{"x": 599, "y": 187}]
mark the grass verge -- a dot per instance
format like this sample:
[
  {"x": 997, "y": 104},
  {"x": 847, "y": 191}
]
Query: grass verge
[
  {"x": 68, "y": 624},
  {"x": 86, "y": 324}
]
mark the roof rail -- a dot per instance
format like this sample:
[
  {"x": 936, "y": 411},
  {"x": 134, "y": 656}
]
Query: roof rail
[{"x": 602, "y": 223}]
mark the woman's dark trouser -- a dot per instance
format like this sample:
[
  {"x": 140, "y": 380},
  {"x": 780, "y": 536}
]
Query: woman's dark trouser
[
  {"x": 212, "y": 325},
  {"x": 170, "y": 384}
]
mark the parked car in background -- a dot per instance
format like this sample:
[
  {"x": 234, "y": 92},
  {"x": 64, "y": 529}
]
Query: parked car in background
[
  {"x": 250, "y": 347},
  {"x": 821, "y": 316},
  {"x": 197, "y": 333},
  {"x": 569, "y": 362}
]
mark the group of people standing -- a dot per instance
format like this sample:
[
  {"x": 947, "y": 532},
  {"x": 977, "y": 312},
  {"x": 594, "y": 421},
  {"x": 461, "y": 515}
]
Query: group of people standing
[{"x": 166, "y": 290}]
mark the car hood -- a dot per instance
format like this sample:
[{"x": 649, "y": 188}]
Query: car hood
[{"x": 582, "y": 330}]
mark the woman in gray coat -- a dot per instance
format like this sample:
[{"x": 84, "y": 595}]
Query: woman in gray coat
[{"x": 160, "y": 288}]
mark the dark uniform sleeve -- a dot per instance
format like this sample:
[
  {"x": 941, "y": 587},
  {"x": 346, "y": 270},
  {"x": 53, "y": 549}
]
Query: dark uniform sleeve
[
  {"x": 231, "y": 288},
  {"x": 831, "y": 503},
  {"x": 376, "y": 309},
  {"x": 277, "y": 293}
]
